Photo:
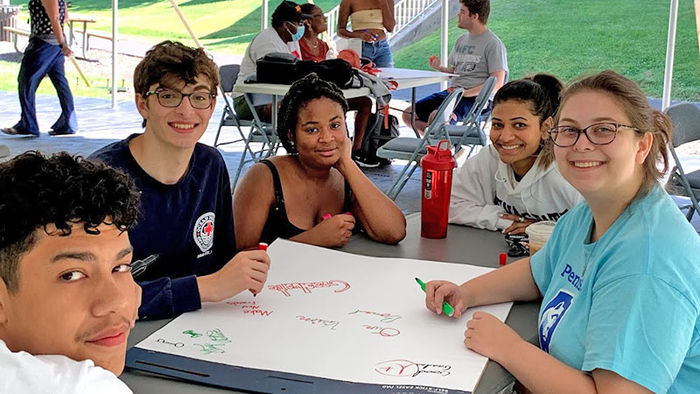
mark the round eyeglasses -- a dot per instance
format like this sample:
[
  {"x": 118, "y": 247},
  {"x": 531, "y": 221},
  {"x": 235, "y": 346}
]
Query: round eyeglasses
[
  {"x": 601, "y": 133},
  {"x": 173, "y": 98}
]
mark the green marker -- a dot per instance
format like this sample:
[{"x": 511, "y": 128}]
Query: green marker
[{"x": 447, "y": 308}]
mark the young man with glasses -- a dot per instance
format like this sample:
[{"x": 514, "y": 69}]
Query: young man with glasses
[
  {"x": 183, "y": 242},
  {"x": 286, "y": 30}
]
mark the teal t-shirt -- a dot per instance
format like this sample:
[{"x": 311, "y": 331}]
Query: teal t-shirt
[{"x": 629, "y": 302}]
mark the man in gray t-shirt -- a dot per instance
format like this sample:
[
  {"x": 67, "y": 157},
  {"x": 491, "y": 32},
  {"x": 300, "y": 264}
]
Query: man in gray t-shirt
[{"x": 477, "y": 55}]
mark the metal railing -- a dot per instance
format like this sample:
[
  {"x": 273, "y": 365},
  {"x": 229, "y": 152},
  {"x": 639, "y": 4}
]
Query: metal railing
[
  {"x": 332, "y": 21},
  {"x": 405, "y": 11}
]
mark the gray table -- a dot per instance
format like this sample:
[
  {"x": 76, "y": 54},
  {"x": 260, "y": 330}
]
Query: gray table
[
  {"x": 4, "y": 151},
  {"x": 462, "y": 245}
]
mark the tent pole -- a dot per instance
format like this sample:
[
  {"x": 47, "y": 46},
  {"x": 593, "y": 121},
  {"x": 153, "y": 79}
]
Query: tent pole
[
  {"x": 184, "y": 22},
  {"x": 444, "y": 20},
  {"x": 670, "y": 48},
  {"x": 264, "y": 16},
  {"x": 115, "y": 29},
  {"x": 697, "y": 20}
]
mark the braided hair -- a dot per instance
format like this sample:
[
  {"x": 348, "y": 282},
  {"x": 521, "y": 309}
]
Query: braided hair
[{"x": 309, "y": 88}]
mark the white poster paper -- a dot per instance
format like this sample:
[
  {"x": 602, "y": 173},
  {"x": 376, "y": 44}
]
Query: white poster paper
[{"x": 339, "y": 316}]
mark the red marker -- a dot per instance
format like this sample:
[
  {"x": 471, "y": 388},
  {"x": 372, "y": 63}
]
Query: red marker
[
  {"x": 502, "y": 259},
  {"x": 261, "y": 246}
]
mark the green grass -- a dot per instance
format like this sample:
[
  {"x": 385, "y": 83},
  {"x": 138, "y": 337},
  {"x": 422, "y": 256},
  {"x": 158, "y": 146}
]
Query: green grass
[
  {"x": 569, "y": 39},
  {"x": 562, "y": 37},
  {"x": 225, "y": 26},
  {"x": 10, "y": 70}
]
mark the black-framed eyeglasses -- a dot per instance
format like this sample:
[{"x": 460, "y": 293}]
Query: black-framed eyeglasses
[
  {"x": 172, "y": 98},
  {"x": 601, "y": 133}
]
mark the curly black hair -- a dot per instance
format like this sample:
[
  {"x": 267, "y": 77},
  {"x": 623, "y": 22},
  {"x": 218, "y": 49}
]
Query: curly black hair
[
  {"x": 62, "y": 190},
  {"x": 301, "y": 92}
]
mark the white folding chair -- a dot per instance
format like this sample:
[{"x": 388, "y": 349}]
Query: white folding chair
[
  {"x": 413, "y": 149},
  {"x": 470, "y": 132}
]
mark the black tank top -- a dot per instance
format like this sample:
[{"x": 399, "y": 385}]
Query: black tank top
[{"x": 278, "y": 224}]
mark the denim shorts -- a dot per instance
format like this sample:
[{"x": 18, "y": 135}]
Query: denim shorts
[
  {"x": 378, "y": 52},
  {"x": 426, "y": 105}
]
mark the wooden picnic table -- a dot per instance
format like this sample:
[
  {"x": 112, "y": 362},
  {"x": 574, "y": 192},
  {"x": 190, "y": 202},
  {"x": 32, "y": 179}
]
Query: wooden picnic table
[{"x": 71, "y": 36}]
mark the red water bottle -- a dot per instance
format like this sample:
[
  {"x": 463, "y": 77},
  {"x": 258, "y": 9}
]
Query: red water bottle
[{"x": 437, "y": 168}]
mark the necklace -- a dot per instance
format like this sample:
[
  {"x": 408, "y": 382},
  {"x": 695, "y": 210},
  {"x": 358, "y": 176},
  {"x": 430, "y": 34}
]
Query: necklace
[{"x": 312, "y": 44}]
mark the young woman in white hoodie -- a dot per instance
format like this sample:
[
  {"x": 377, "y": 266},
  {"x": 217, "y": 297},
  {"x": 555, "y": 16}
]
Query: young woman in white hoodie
[{"x": 514, "y": 181}]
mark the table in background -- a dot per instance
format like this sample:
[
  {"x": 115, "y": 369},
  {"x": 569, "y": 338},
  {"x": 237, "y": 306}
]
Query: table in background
[
  {"x": 71, "y": 37},
  {"x": 405, "y": 79},
  {"x": 462, "y": 245}
]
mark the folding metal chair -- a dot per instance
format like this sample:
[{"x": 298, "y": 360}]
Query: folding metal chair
[
  {"x": 413, "y": 149},
  {"x": 259, "y": 132},
  {"x": 470, "y": 131},
  {"x": 227, "y": 76},
  {"x": 686, "y": 125}
]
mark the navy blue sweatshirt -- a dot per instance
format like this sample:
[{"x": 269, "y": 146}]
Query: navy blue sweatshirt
[{"x": 184, "y": 230}]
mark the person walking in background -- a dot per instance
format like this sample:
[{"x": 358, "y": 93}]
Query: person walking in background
[
  {"x": 371, "y": 20},
  {"x": 45, "y": 55}
]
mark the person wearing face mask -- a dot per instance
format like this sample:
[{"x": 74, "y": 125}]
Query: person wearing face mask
[{"x": 286, "y": 29}]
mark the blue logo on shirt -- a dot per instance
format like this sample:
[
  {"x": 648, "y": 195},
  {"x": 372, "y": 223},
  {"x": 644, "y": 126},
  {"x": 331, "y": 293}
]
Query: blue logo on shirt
[{"x": 551, "y": 316}]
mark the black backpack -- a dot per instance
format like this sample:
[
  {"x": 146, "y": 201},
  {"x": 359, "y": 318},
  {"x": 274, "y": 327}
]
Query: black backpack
[
  {"x": 378, "y": 135},
  {"x": 285, "y": 68}
]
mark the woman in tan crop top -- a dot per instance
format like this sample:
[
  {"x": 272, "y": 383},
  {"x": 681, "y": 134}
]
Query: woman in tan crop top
[{"x": 370, "y": 20}]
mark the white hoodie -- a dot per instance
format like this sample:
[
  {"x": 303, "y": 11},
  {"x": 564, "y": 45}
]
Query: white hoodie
[{"x": 485, "y": 187}]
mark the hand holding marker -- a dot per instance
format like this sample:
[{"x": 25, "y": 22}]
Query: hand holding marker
[
  {"x": 447, "y": 308},
  {"x": 261, "y": 246}
]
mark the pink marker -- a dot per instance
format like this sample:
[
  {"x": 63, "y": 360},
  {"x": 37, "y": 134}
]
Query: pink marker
[{"x": 326, "y": 217}]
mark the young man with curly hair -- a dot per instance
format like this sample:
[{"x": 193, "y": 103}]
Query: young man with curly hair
[
  {"x": 67, "y": 298},
  {"x": 184, "y": 246}
]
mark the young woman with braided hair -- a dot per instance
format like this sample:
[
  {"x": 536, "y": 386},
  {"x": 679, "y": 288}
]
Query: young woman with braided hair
[
  {"x": 316, "y": 194},
  {"x": 514, "y": 181}
]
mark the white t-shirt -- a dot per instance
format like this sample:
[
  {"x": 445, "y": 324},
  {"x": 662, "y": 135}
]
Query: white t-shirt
[
  {"x": 22, "y": 373},
  {"x": 267, "y": 41}
]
